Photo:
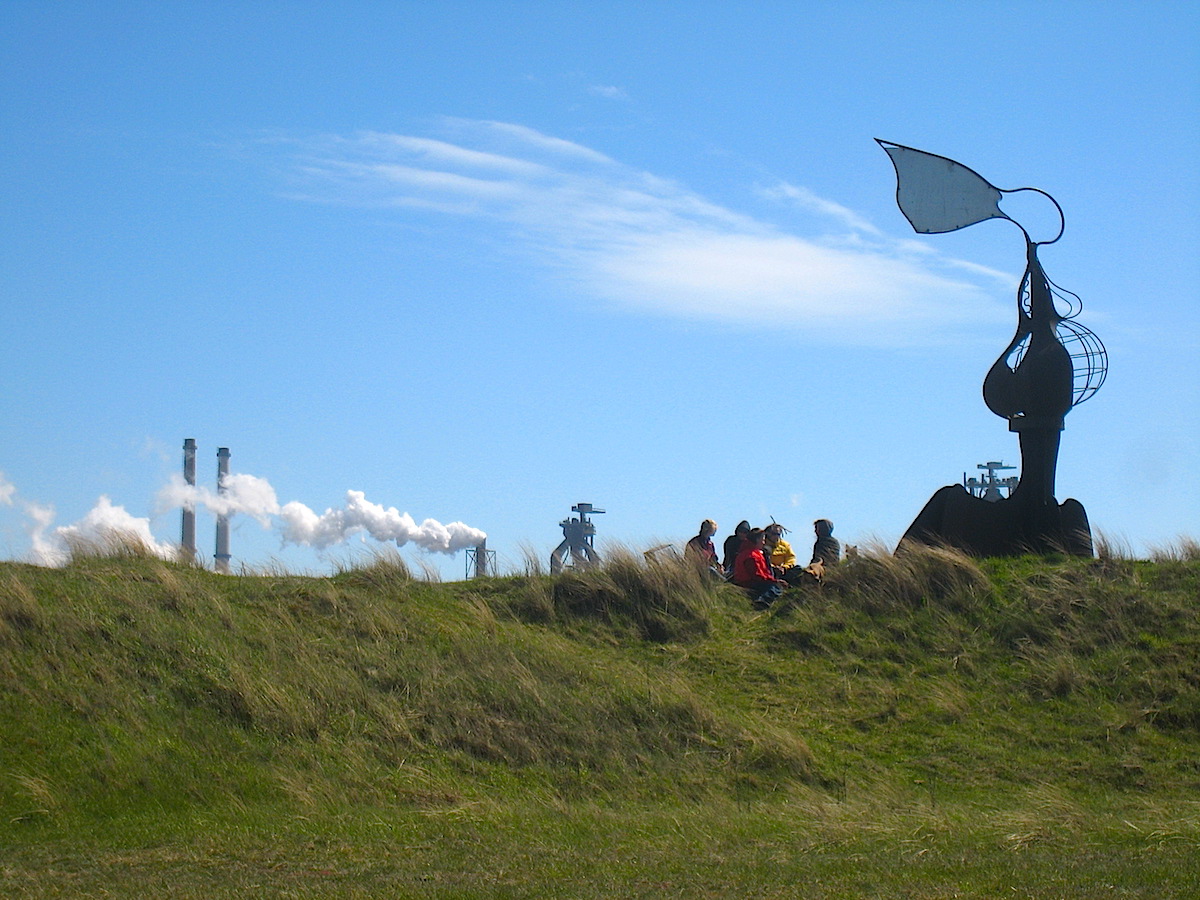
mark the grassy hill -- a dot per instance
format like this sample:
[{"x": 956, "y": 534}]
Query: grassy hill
[{"x": 922, "y": 726}]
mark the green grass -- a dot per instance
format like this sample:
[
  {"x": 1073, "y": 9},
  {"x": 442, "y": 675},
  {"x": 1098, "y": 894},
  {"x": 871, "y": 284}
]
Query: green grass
[{"x": 921, "y": 726}]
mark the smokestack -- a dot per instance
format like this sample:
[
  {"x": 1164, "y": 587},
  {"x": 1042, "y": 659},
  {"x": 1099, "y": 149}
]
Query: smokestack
[
  {"x": 481, "y": 562},
  {"x": 188, "y": 536},
  {"x": 221, "y": 557}
]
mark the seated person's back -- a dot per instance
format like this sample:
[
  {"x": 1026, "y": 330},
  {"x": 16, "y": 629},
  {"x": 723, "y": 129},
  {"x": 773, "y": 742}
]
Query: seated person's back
[{"x": 826, "y": 549}]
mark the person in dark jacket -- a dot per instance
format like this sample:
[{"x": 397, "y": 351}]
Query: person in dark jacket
[
  {"x": 733, "y": 544},
  {"x": 826, "y": 549}
]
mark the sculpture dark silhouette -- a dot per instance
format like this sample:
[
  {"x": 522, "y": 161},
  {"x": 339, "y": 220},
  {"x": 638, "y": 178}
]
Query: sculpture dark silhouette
[
  {"x": 1034, "y": 384},
  {"x": 579, "y": 537}
]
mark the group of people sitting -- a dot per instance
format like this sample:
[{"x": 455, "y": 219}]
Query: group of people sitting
[{"x": 760, "y": 561}]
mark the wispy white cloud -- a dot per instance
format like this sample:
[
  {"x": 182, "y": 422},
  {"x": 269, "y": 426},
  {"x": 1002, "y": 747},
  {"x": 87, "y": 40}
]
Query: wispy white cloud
[
  {"x": 650, "y": 245},
  {"x": 443, "y": 153},
  {"x": 608, "y": 91},
  {"x": 521, "y": 136},
  {"x": 7, "y": 489},
  {"x": 806, "y": 199}
]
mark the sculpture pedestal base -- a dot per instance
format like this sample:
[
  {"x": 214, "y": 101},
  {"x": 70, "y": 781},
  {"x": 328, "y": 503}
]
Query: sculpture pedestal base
[{"x": 1009, "y": 527}]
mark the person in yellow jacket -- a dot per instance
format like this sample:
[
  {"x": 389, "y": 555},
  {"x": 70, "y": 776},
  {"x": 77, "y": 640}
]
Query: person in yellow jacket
[{"x": 778, "y": 552}]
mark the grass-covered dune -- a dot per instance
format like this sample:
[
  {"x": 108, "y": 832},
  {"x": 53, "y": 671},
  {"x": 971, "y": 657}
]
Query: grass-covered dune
[{"x": 919, "y": 726}]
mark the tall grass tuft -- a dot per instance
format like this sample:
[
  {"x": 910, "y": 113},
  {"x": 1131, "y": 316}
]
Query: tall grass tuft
[
  {"x": 1112, "y": 547},
  {"x": 664, "y": 601},
  {"x": 878, "y": 580},
  {"x": 1184, "y": 549},
  {"x": 20, "y": 611},
  {"x": 531, "y": 561},
  {"x": 107, "y": 545},
  {"x": 383, "y": 568}
]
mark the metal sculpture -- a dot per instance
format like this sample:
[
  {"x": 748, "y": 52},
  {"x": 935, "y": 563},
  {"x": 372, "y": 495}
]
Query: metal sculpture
[
  {"x": 579, "y": 536},
  {"x": 988, "y": 486},
  {"x": 1051, "y": 365}
]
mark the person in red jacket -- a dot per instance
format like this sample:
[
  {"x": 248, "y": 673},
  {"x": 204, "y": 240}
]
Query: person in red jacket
[{"x": 752, "y": 574}]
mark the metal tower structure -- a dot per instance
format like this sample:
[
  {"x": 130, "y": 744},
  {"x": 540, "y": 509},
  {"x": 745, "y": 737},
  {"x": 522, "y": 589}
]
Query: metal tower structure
[
  {"x": 187, "y": 539},
  {"x": 221, "y": 557},
  {"x": 578, "y": 539},
  {"x": 481, "y": 562},
  {"x": 989, "y": 487}
]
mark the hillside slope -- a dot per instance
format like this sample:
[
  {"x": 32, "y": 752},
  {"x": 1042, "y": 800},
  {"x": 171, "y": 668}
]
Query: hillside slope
[{"x": 131, "y": 688}]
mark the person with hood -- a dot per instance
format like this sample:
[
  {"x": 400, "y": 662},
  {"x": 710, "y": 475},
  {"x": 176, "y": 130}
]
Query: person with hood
[
  {"x": 733, "y": 544},
  {"x": 826, "y": 549}
]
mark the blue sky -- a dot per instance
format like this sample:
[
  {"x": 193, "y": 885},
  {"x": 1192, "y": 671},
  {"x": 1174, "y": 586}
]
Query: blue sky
[{"x": 479, "y": 261}]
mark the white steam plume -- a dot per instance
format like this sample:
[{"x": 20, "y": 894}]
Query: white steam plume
[
  {"x": 246, "y": 494},
  {"x": 255, "y": 497},
  {"x": 44, "y": 551},
  {"x": 303, "y": 526},
  {"x": 104, "y": 525},
  {"x": 108, "y": 525}
]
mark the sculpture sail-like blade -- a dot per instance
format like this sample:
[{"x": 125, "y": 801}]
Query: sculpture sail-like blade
[{"x": 937, "y": 194}]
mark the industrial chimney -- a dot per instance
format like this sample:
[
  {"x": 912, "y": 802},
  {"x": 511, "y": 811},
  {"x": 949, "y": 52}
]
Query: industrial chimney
[
  {"x": 481, "y": 562},
  {"x": 188, "y": 537},
  {"x": 221, "y": 557}
]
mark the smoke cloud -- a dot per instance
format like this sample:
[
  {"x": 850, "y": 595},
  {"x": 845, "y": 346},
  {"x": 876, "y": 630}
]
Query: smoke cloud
[
  {"x": 358, "y": 515},
  {"x": 246, "y": 494},
  {"x": 105, "y": 525},
  {"x": 108, "y": 525},
  {"x": 300, "y": 525}
]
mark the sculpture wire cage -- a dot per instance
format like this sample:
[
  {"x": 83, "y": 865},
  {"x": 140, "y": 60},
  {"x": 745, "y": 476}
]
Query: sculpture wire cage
[{"x": 1089, "y": 358}]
